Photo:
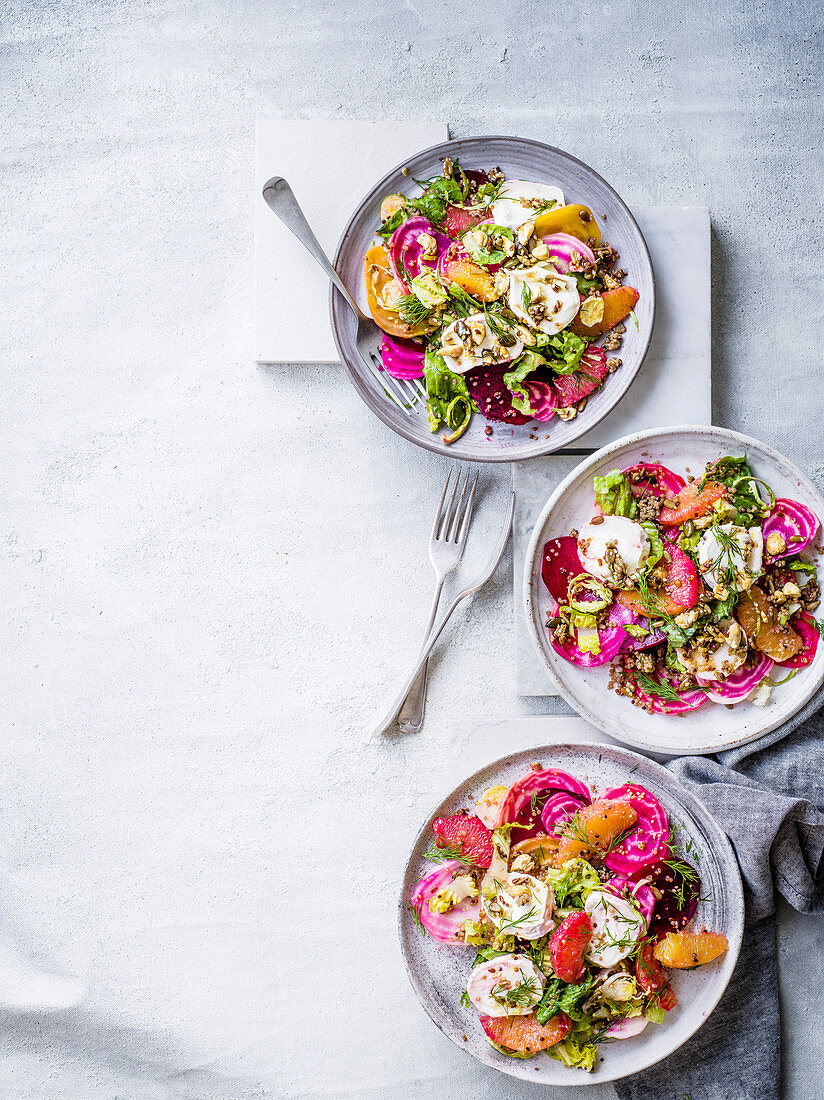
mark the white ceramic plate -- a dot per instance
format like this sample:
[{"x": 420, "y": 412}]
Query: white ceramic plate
[
  {"x": 711, "y": 728},
  {"x": 519, "y": 158},
  {"x": 438, "y": 972}
]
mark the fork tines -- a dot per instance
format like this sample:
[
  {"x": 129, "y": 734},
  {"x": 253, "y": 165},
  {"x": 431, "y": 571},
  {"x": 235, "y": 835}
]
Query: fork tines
[
  {"x": 451, "y": 522},
  {"x": 406, "y": 393}
]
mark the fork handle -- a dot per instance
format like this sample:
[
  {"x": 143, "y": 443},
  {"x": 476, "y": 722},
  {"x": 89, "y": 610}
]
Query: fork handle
[
  {"x": 423, "y": 657},
  {"x": 280, "y": 198},
  {"x": 410, "y": 718}
]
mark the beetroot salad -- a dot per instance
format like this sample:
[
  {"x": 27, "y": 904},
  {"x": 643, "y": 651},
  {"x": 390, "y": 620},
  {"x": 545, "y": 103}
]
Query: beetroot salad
[
  {"x": 495, "y": 291},
  {"x": 696, "y": 590},
  {"x": 577, "y": 904}
]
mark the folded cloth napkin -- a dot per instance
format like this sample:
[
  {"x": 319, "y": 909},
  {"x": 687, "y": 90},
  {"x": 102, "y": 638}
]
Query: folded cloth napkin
[{"x": 769, "y": 799}]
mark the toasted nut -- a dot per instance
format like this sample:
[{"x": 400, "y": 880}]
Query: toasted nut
[
  {"x": 429, "y": 246},
  {"x": 477, "y": 329},
  {"x": 776, "y": 543},
  {"x": 524, "y": 232},
  {"x": 540, "y": 251},
  {"x": 501, "y": 283}
]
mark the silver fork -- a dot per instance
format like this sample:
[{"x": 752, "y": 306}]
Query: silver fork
[
  {"x": 403, "y": 392},
  {"x": 437, "y": 629},
  {"x": 446, "y": 547}
]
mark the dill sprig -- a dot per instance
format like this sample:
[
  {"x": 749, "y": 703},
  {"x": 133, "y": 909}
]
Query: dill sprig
[
  {"x": 521, "y": 995},
  {"x": 412, "y": 310},
  {"x": 437, "y": 853}
]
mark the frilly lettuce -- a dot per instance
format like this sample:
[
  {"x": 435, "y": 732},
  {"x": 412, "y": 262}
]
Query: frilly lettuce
[
  {"x": 576, "y": 877},
  {"x": 613, "y": 494},
  {"x": 523, "y": 366},
  {"x": 575, "y": 1053},
  {"x": 566, "y": 349}
]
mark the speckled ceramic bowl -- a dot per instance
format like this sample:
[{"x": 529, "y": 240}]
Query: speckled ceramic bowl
[
  {"x": 711, "y": 728},
  {"x": 439, "y": 972},
  {"x": 519, "y": 159}
]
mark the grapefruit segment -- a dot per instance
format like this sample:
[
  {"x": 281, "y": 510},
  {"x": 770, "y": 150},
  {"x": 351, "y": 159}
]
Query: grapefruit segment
[{"x": 524, "y": 1034}]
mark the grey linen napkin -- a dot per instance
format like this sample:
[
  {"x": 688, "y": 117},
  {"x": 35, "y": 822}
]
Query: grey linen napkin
[{"x": 769, "y": 799}]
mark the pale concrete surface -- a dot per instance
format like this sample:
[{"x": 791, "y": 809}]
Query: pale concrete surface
[{"x": 214, "y": 574}]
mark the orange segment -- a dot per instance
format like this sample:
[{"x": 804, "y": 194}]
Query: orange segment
[
  {"x": 757, "y": 618},
  {"x": 471, "y": 277},
  {"x": 684, "y": 950},
  {"x": 594, "y": 828},
  {"x": 391, "y": 205},
  {"x": 542, "y": 848},
  {"x": 618, "y": 304}
]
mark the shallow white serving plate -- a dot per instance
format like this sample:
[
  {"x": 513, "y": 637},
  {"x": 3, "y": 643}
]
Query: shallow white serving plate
[
  {"x": 438, "y": 972},
  {"x": 711, "y": 728}
]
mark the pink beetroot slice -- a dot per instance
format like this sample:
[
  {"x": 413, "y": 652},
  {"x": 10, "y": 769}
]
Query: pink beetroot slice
[
  {"x": 493, "y": 398},
  {"x": 572, "y": 388}
]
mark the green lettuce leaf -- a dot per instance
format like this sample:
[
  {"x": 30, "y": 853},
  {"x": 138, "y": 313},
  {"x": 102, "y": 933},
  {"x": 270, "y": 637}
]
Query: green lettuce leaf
[
  {"x": 576, "y": 878},
  {"x": 566, "y": 349},
  {"x": 442, "y": 387},
  {"x": 523, "y": 366},
  {"x": 613, "y": 494},
  {"x": 561, "y": 997}
]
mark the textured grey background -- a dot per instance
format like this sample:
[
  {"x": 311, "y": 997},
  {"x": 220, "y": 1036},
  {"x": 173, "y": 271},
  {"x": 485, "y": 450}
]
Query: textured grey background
[{"x": 201, "y": 555}]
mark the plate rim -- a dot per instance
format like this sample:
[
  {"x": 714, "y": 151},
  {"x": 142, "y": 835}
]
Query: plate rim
[
  {"x": 733, "y": 886},
  {"x": 338, "y": 307},
  {"x": 588, "y": 713}
]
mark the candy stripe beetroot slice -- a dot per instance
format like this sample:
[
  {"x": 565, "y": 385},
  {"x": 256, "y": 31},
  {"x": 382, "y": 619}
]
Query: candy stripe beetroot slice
[
  {"x": 649, "y": 839},
  {"x": 658, "y": 480},
  {"x": 559, "y": 808},
  {"x": 640, "y": 893},
  {"x": 610, "y": 640},
  {"x": 803, "y": 625},
  {"x": 519, "y": 795},
  {"x": 794, "y": 522},
  {"x": 446, "y": 927}
]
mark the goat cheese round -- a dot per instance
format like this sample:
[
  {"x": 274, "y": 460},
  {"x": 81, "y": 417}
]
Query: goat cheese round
[
  {"x": 509, "y": 985},
  {"x": 552, "y": 297},
  {"x": 514, "y": 204},
  {"x": 465, "y": 341},
  {"x": 721, "y": 660},
  {"x": 616, "y": 927},
  {"x": 522, "y": 906},
  {"x": 609, "y": 541},
  {"x": 734, "y": 557}
]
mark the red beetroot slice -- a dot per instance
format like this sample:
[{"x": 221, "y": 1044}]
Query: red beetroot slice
[
  {"x": 561, "y": 562},
  {"x": 572, "y": 388},
  {"x": 649, "y": 839},
  {"x": 493, "y": 398},
  {"x": 467, "y": 834},
  {"x": 676, "y": 906},
  {"x": 568, "y": 944}
]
